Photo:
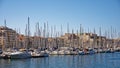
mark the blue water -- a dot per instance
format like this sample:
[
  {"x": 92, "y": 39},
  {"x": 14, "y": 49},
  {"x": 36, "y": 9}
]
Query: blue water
[{"x": 108, "y": 60}]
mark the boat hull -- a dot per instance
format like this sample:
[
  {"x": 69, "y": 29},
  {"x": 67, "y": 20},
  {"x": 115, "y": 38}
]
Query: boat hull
[{"x": 20, "y": 56}]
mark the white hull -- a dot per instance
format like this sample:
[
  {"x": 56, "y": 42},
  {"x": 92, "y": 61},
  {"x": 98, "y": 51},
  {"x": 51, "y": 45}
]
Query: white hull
[
  {"x": 20, "y": 55},
  {"x": 61, "y": 52},
  {"x": 39, "y": 54},
  {"x": 54, "y": 53},
  {"x": 67, "y": 52}
]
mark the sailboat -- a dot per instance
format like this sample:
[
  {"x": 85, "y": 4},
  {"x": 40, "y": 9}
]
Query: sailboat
[
  {"x": 55, "y": 44},
  {"x": 20, "y": 55},
  {"x": 38, "y": 52},
  {"x": 23, "y": 53},
  {"x": 111, "y": 48},
  {"x": 91, "y": 49},
  {"x": 69, "y": 48},
  {"x": 81, "y": 51}
]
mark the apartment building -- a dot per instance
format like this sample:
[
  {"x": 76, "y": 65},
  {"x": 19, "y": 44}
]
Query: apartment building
[{"x": 7, "y": 37}]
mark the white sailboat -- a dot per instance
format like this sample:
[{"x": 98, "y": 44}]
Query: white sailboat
[
  {"x": 20, "y": 55},
  {"x": 38, "y": 52},
  {"x": 55, "y": 52}
]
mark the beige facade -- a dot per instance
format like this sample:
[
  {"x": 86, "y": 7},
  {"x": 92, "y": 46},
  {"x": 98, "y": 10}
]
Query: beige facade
[
  {"x": 7, "y": 37},
  {"x": 84, "y": 40}
]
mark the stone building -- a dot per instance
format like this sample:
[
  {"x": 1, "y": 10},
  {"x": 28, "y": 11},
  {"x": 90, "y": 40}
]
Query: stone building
[{"x": 7, "y": 37}]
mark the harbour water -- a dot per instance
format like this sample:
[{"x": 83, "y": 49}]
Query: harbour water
[{"x": 100, "y": 60}]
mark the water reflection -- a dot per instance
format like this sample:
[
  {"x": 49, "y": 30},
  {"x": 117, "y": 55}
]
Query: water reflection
[{"x": 110, "y": 60}]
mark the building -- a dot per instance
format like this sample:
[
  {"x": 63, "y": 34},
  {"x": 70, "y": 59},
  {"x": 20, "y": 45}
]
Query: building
[{"x": 7, "y": 37}]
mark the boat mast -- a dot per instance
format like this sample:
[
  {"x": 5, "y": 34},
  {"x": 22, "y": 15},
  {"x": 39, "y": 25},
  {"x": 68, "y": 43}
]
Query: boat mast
[
  {"x": 55, "y": 42},
  {"x": 72, "y": 38},
  {"x": 77, "y": 40},
  {"x": 16, "y": 39},
  {"x": 69, "y": 44},
  {"x": 105, "y": 44},
  {"x": 88, "y": 42},
  {"x": 94, "y": 39},
  {"x": 47, "y": 43},
  {"x": 108, "y": 36},
  {"x": 68, "y": 28},
  {"x": 58, "y": 42},
  {"x": 100, "y": 37},
  {"x": 41, "y": 38},
  {"x": 81, "y": 40},
  {"x": 61, "y": 40},
  {"x": 39, "y": 34},
  {"x": 5, "y": 23},
  {"x": 28, "y": 44},
  {"x": 52, "y": 40},
  {"x": 115, "y": 36},
  {"x": 111, "y": 37},
  {"x": 44, "y": 35}
]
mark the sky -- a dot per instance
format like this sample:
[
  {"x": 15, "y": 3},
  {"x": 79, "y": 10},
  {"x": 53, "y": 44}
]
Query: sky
[{"x": 89, "y": 13}]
